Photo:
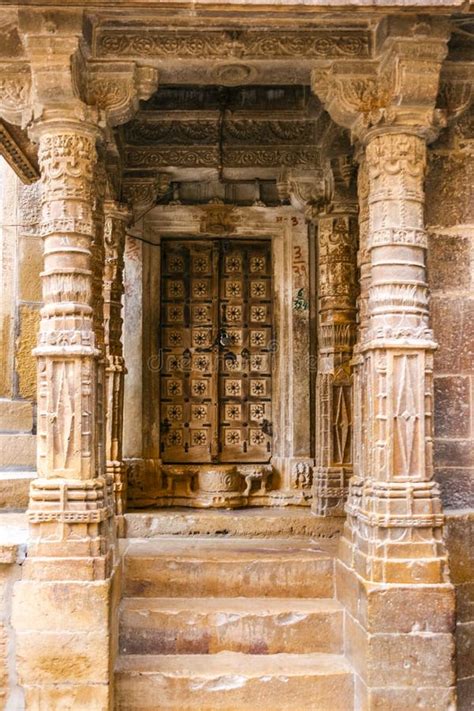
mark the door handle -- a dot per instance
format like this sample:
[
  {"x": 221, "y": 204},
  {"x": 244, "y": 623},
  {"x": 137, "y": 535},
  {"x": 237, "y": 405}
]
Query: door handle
[{"x": 222, "y": 339}]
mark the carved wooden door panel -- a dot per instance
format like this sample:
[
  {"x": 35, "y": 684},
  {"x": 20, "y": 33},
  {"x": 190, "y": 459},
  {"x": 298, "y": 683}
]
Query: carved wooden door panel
[
  {"x": 245, "y": 319},
  {"x": 216, "y": 338},
  {"x": 188, "y": 382}
]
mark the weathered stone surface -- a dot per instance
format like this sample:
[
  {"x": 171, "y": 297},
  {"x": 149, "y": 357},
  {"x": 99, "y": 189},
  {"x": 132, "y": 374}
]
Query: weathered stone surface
[
  {"x": 63, "y": 657},
  {"x": 16, "y": 416},
  {"x": 61, "y": 606},
  {"x": 18, "y": 451},
  {"x": 452, "y": 398},
  {"x": 453, "y": 322},
  {"x": 465, "y": 689},
  {"x": 14, "y": 490},
  {"x": 212, "y": 625},
  {"x": 457, "y": 487},
  {"x": 454, "y": 453},
  {"x": 449, "y": 262},
  {"x": 31, "y": 264},
  {"x": 230, "y": 681},
  {"x": 460, "y": 542},
  {"x": 25, "y": 364},
  {"x": 241, "y": 523},
  {"x": 286, "y": 568},
  {"x": 64, "y": 697}
]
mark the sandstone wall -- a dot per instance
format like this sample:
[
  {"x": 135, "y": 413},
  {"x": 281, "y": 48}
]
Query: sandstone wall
[
  {"x": 450, "y": 220},
  {"x": 20, "y": 294}
]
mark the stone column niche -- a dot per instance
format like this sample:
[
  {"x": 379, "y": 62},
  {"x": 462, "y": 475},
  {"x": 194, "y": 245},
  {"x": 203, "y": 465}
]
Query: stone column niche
[
  {"x": 393, "y": 555},
  {"x": 70, "y": 513},
  {"x": 337, "y": 238}
]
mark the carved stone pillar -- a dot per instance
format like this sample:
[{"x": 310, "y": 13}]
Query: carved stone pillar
[
  {"x": 359, "y": 424},
  {"x": 337, "y": 241},
  {"x": 393, "y": 556},
  {"x": 70, "y": 502},
  {"x": 400, "y": 519},
  {"x": 116, "y": 218}
]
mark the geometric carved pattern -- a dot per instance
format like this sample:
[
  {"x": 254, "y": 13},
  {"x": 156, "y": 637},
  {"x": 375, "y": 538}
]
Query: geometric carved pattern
[{"x": 216, "y": 379}]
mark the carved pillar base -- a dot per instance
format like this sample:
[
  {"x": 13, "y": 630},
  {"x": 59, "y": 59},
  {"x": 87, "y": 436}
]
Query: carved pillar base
[{"x": 330, "y": 490}]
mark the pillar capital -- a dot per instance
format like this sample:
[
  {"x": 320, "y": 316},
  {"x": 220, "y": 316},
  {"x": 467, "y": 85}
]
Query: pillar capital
[
  {"x": 55, "y": 77},
  {"x": 386, "y": 94}
]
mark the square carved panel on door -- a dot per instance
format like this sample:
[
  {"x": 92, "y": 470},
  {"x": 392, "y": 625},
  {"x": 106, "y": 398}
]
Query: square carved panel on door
[{"x": 217, "y": 341}]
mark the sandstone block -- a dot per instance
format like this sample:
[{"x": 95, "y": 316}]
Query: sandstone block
[
  {"x": 415, "y": 660},
  {"x": 465, "y": 649},
  {"x": 460, "y": 543},
  {"x": 16, "y": 416},
  {"x": 449, "y": 261},
  {"x": 452, "y": 398},
  {"x": 208, "y": 626},
  {"x": 235, "y": 682},
  {"x": 465, "y": 689},
  {"x": 14, "y": 490},
  {"x": 62, "y": 657},
  {"x": 56, "y": 606},
  {"x": 235, "y": 567},
  {"x": 31, "y": 265},
  {"x": 70, "y": 697},
  {"x": 402, "y": 699},
  {"x": 457, "y": 486},
  {"x": 457, "y": 453},
  {"x": 17, "y": 451},
  {"x": 453, "y": 324}
]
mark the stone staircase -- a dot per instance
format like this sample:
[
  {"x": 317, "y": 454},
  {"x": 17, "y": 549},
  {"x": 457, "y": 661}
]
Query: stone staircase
[{"x": 231, "y": 624}]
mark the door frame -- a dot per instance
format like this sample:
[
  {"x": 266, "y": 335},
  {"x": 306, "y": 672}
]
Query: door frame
[{"x": 287, "y": 479}]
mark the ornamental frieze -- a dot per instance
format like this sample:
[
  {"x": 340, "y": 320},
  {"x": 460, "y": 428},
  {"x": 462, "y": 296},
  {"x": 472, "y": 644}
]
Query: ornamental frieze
[
  {"x": 208, "y": 156},
  {"x": 190, "y": 132},
  {"x": 224, "y": 44}
]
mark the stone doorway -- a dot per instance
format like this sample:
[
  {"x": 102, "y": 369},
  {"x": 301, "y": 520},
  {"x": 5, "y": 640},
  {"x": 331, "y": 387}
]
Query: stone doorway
[
  {"x": 252, "y": 446},
  {"x": 217, "y": 345}
]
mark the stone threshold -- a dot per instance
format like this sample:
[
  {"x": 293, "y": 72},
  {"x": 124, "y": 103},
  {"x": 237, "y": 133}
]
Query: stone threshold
[{"x": 286, "y": 522}]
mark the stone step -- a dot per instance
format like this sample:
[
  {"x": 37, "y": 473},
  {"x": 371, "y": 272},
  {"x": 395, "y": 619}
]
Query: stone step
[
  {"x": 211, "y": 625},
  {"x": 230, "y": 681},
  {"x": 176, "y": 567}
]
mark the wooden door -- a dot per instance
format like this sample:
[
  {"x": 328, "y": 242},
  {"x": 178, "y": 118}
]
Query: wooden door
[{"x": 216, "y": 340}]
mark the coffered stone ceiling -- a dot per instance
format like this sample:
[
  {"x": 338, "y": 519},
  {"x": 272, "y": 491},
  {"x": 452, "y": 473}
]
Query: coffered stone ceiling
[{"x": 237, "y": 132}]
